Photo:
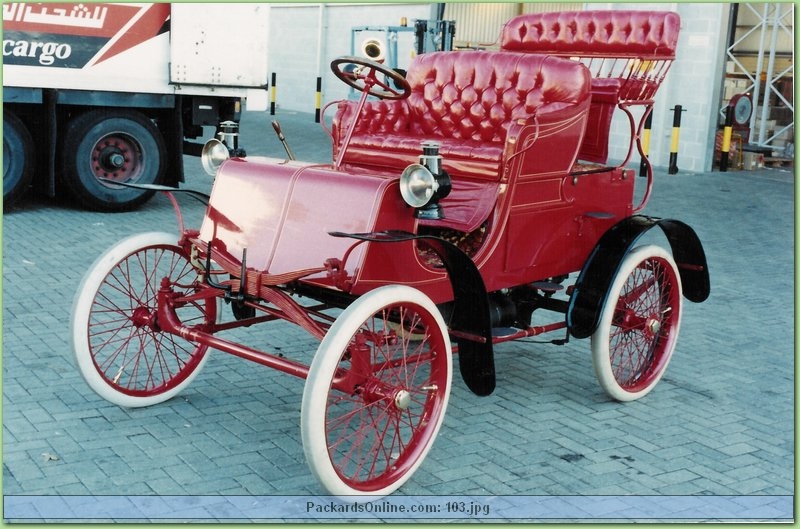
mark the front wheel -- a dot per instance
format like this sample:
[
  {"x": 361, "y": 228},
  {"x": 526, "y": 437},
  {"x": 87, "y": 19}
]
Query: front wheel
[
  {"x": 120, "y": 350},
  {"x": 639, "y": 324},
  {"x": 376, "y": 393}
]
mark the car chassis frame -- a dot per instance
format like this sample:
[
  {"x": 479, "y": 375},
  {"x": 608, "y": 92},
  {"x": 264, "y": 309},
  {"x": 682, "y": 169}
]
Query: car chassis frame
[{"x": 398, "y": 274}]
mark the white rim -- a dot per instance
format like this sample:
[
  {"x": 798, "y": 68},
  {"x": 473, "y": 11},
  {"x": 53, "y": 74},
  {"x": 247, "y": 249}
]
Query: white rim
[
  {"x": 317, "y": 386},
  {"x": 81, "y": 308},
  {"x": 601, "y": 358}
]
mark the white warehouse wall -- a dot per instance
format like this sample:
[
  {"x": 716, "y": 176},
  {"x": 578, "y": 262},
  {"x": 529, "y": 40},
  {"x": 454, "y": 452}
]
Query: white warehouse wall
[
  {"x": 297, "y": 58},
  {"x": 692, "y": 82},
  {"x": 304, "y": 38},
  {"x": 696, "y": 78}
]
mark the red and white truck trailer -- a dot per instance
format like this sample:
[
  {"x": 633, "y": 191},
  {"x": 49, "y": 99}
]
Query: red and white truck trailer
[{"x": 101, "y": 92}]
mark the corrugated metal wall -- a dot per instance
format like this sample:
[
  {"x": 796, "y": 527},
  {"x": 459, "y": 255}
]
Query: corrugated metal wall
[{"x": 478, "y": 25}]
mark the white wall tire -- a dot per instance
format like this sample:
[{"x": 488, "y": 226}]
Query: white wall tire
[
  {"x": 118, "y": 348},
  {"x": 639, "y": 324},
  {"x": 368, "y": 433}
]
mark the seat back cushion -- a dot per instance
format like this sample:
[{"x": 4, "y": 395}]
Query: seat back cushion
[
  {"x": 476, "y": 95},
  {"x": 594, "y": 33},
  {"x": 466, "y": 101}
]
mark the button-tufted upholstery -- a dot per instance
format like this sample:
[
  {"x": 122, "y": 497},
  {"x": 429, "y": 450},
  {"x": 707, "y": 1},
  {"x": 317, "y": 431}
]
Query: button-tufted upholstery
[
  {"x": 480, "y": 106},
  {"x": 594, "y": 33},
  {"x": 628, "y": 52}
]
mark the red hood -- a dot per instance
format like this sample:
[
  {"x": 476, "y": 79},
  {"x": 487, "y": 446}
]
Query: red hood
[{"x": 282, "y": 212}]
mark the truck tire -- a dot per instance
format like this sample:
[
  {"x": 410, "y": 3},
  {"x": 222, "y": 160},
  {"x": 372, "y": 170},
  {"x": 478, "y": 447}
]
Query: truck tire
[
  {"x": 18, "y": 159},
  {"x": 123, "y": 146}
]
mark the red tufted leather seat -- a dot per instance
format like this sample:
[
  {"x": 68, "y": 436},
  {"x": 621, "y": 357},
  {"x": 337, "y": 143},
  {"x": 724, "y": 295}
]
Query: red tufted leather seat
[
  {"x": 629, "y": 53},
  {"x": 598, "y": 33},
  {"x": 481, "y": 107}
]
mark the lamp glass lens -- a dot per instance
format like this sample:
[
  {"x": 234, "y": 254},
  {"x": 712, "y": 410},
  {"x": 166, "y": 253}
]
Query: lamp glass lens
[{"x": 417, "y": 186}]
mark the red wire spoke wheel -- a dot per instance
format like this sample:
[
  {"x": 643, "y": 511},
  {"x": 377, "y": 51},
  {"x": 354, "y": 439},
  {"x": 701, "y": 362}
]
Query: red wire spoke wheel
[
  {"x": 376, "y": 393},
  {"x": 639, "y": 324},
  {"x": 120, "y": 350}
]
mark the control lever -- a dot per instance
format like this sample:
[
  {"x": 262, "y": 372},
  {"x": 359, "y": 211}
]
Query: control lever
[{"x": 277, "y": 127}]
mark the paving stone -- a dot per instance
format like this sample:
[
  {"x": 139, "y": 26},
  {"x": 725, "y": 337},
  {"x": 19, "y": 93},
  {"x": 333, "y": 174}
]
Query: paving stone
[{"x": 721, "y": 422}]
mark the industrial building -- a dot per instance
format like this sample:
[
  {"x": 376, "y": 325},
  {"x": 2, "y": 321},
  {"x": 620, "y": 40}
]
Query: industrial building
[{"x": 724, "y": 50}]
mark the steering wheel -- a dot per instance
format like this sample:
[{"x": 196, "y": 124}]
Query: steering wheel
[{"x": 362, "y": 74}]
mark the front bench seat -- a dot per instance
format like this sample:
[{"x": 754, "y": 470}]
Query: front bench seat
[{"x": 482, "y": 107}]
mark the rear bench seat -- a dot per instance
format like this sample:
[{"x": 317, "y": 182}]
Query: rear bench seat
[
  {"x": 481, "y": 107},
  {"x": 628, "y": 53}
]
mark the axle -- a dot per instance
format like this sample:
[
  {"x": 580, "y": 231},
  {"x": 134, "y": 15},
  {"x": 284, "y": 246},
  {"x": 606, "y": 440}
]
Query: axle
[
  {"x": 169, "y": 322},
  {"x": 165, "y": 319}
]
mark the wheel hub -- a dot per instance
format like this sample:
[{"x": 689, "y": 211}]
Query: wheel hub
[
  {"x": 374, "y": 391},
  {"x": 113, "y": 159},
  {"x": 402, "y": 399},
  {"x": 143, "y": 317},
  {"x": 653, "y": 326}
]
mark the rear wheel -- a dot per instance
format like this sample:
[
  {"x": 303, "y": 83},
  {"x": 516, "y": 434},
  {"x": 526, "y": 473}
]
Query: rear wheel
[
  {"x": 120, "y": 350},
  {"x": 123, "y": 147},
  {"x": 639, "y": 324},
  {"x": 18, "y": 159},
  {"x": 376, "y": 393}
]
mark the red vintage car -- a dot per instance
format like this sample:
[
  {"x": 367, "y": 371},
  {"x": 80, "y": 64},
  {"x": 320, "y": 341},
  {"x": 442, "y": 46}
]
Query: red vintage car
[{"x": 461, "y": 199}]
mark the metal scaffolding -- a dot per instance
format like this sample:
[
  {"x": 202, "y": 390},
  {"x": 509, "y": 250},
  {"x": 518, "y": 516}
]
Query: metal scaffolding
[{"x": 772, "y": 21}]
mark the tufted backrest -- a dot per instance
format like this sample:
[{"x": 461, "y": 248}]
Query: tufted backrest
[
  {"x": 476, "y": 95},
  {"x": 600, "y": 33},
  {"x": 627, "y": 52}
]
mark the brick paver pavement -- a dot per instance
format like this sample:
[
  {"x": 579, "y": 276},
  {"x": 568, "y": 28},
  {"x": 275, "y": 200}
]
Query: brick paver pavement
[{"x": 719, "y": 423}]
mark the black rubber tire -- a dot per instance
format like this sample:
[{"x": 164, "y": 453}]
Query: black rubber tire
[
  {"x": 18, "y": 159},
  {"x": 118, "y": 145}
]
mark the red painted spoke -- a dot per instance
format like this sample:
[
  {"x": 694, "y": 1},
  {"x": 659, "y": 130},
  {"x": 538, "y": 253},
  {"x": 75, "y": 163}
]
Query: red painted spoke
[
  {"x": 127, "y": 346},
  {"x": 378, "y": 426},
  {"x": 367, "y": 431},
  {"x": 115, "y": 354}
]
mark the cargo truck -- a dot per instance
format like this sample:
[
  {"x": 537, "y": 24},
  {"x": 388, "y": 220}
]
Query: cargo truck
[{"x": 100, "y": 93}]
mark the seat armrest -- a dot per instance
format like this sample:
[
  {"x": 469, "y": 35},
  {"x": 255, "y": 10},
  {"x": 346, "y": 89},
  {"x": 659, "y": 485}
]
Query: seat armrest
[{"x": 547, "y": 142}]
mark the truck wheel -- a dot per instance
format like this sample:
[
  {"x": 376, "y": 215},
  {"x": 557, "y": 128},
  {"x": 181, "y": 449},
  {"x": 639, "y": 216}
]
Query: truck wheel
[
  {"x": 18, "y": 160},
  {"x": 124, "y": 147}
]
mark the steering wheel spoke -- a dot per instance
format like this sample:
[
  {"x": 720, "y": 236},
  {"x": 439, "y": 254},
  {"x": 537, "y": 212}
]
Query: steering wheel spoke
[{"x": 363, "y": 75}]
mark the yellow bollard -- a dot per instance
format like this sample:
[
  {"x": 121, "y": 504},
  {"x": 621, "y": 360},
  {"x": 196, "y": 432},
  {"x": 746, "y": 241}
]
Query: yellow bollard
[
  {"x": 648, "y": 123},
  {"x": 676, "y": 136},
  {"x": 318, "y": 104},
  {"x": 273, "y": 92},
  {"x": 726, "y": 139}
]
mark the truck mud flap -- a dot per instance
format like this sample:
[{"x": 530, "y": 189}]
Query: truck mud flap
[
  {"x": 591, "y": 288},
  {"x": 470, "y": 312}
]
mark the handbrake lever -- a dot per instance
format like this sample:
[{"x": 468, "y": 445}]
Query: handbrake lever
[{"x": 277, "y": 127}]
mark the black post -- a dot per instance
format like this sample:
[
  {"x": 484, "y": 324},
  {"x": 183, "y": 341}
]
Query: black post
[
  {"x": 318, "y": 101},
  {"x": 273, "y": 93},
  {"x": 648, "y": 123},
  {"x": 420, "y": 28},
  {"x": 726, "y": 139},
  {"x": 676, "y": 135}
]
